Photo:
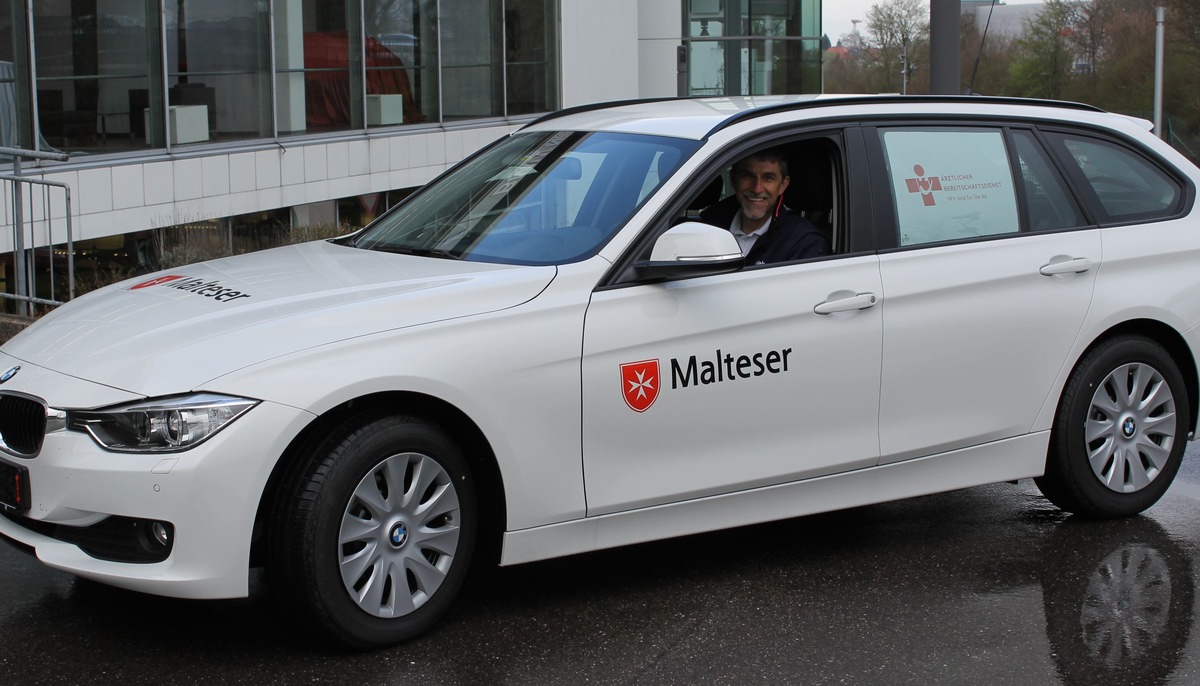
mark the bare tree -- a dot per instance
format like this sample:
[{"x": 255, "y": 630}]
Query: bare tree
[
  {"x": 1046, "y": 61},
  {"x": 1183, "y": 92},
  {"x": 1089, "y": 36},
  {"x": 898, "y": 40},
  {"x": 1095, "y": 51},
  {"x": 844, "y": 67},
  {"x": 1123, "y": 79},
  {"x": 986, "y": 60}
]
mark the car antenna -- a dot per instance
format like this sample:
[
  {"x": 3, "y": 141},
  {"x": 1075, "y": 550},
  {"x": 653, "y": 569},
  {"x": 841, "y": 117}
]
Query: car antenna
[{"x": 983, "y": 39}]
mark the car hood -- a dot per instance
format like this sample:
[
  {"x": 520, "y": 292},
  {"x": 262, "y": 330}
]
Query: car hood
[{"x": 171, "y": 332}]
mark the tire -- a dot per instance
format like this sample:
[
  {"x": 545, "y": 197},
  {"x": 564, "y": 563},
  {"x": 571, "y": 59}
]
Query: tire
[
  {"x": 377, "y": 534},
  {"x": 1120, "y": 430}
]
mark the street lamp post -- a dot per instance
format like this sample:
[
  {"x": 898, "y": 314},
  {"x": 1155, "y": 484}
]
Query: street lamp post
[
  {"x": 1159, "y": 40},
  {"x": 945, "y": 42}
]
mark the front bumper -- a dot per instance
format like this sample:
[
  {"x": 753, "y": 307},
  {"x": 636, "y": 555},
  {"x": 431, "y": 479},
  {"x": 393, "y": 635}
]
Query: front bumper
[{"x": 209, "y": 495}]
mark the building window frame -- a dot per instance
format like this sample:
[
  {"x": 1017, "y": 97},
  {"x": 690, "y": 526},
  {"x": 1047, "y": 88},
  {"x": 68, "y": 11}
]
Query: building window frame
[{"x": 539, "y": 67}]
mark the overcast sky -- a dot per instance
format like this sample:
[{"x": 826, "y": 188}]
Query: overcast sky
[{"x": 836, "y": 16}]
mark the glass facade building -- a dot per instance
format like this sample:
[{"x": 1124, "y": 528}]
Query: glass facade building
[
  {"x": 110, "y": 75},
  {"x": 195, "y": 128},
  {"x": 103, "y": 76},
  {"x": 752, "y": 47}
]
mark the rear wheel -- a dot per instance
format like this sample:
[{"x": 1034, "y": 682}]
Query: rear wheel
[
  {"x": 1120, "y": 430},
  {"x": 377, "y": 537}
]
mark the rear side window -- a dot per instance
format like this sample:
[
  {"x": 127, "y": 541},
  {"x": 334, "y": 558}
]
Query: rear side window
[
  {"x": 1050, "y": 204},
  {"x": 950, "y": 184},
  {"x": 1127, "y": 186}
]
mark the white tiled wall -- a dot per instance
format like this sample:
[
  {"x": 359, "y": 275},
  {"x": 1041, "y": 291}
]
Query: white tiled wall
[
  {"x": 95, "y": 192},
  {"x": 241, "y": 173},
  {"x": 131, "y": 196},
  {"x": 189, "y": 179},
  {"x": 128, "y": 187}
]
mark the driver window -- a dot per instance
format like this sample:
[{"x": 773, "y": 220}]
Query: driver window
[{"x": 778, "y": 201}]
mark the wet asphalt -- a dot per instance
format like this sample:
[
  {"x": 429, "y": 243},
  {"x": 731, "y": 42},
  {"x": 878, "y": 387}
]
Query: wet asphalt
[{"x": 989, "y": 585}]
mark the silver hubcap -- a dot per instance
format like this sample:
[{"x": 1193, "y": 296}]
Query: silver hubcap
[
  {"x": 1130, "y": 427},
  {"x": 399, "y": 535}
]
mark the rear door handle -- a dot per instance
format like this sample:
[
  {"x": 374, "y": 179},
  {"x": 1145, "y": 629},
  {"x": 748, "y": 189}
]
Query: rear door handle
[
  {"x": 1076, "y": 265},
  {"x": 855, "y": 302}
]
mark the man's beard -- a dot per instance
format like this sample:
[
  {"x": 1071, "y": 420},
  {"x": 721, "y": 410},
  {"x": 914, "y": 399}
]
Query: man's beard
[{"x": 750, "y": 209}]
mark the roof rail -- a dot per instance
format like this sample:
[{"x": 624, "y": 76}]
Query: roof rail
[
  {"x": 599, "y": 106},
  {"x": 821, "y": 102},
  {"x": 856, "y": 99}
]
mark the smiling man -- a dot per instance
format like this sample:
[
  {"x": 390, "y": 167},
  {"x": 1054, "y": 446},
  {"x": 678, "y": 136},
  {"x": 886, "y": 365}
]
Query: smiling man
[{"x": 767, "y": 231}]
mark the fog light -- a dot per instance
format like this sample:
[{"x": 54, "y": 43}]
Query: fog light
[{"x": 160, "y": 533}]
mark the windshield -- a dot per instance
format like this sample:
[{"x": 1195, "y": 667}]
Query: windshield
[{"x": 533, "y": 198}]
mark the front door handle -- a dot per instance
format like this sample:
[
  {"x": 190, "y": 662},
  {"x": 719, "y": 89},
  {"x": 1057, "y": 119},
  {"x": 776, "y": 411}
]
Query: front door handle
[
  {"x": 860, "y": 301},
  {"x": 1070, "y": 265}
]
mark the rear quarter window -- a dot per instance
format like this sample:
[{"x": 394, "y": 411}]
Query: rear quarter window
[{"x": 1125, "y": 184}]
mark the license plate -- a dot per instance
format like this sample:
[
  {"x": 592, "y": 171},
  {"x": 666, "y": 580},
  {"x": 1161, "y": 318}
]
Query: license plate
[{"x": 14, "y": 488}]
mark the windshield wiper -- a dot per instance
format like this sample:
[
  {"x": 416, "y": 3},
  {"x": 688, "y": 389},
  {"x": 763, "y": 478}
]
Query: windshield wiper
[{"x": 419, "y": 252}]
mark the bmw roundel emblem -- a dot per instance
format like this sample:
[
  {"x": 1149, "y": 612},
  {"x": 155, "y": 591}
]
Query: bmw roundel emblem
[
  {"x": 398, "y": 535},
  {"x": 1129, "y": 427},
  {"x": 9, "y": 374}
]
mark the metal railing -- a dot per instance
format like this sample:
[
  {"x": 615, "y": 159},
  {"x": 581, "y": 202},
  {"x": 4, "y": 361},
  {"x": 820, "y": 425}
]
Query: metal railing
[
  {"x": 25, "y": 232},
  {"x": 1179, "y": 143}
]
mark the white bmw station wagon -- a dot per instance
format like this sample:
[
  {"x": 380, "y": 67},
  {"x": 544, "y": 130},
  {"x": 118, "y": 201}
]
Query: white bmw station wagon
[{"x": 565, "y": 343}]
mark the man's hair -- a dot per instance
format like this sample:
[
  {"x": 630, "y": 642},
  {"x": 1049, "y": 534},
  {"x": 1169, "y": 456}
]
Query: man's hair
[{"x": 765, "y": 155}]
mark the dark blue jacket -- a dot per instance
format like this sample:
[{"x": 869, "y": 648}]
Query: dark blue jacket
[{"x": 791, "y": 237}]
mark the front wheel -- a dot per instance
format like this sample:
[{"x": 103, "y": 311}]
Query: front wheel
[
  {"x": 1120, "y": 430},
  {"x": 377, "y": 538}
]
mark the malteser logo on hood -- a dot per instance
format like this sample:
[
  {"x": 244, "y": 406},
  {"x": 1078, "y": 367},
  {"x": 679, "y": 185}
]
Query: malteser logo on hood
[
  {"x": 209, "y": 289},
  {"x": 157, "y": 282}
]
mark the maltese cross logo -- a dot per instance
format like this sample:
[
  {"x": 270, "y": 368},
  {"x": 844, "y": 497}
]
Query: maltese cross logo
[
  {"x": 639, "y": 384},
  {"x": 156, "y": 282}
]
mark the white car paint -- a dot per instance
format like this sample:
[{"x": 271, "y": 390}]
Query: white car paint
[
  {"x": 742, "y": 428},
  {"x": 138, "y": 334},
  {"x": 983, "y": 377},
  {"x": 879, "y": 400}
]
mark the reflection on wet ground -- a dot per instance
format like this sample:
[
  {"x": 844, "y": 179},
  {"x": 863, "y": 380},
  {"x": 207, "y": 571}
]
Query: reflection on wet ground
[{"x": 988, "y": 585}]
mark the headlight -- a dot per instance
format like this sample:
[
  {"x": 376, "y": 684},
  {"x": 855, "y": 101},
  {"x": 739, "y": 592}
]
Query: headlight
[{"x": 160, "y": 425}]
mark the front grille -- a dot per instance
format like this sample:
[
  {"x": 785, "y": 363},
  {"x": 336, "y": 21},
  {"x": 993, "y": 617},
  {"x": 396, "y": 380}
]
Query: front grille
[{"x": 22, "y": 424}]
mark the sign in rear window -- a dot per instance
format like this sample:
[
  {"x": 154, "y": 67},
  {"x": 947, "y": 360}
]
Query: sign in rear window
[{"x": 950, "y": 184}]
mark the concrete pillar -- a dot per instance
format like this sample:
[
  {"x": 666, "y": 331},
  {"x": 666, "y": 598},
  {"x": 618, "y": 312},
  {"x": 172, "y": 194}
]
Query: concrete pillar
[{"x": 289, "y": 54}]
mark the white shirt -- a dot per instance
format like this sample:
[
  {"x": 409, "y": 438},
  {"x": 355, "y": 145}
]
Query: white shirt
[{"x": 746, "y": 240}]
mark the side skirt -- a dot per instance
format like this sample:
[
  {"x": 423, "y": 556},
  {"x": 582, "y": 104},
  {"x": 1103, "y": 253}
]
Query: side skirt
[{"x": 1006, "y": 460}]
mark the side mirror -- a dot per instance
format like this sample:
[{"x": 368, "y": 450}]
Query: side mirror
[{"x": 693, "y": 249}]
